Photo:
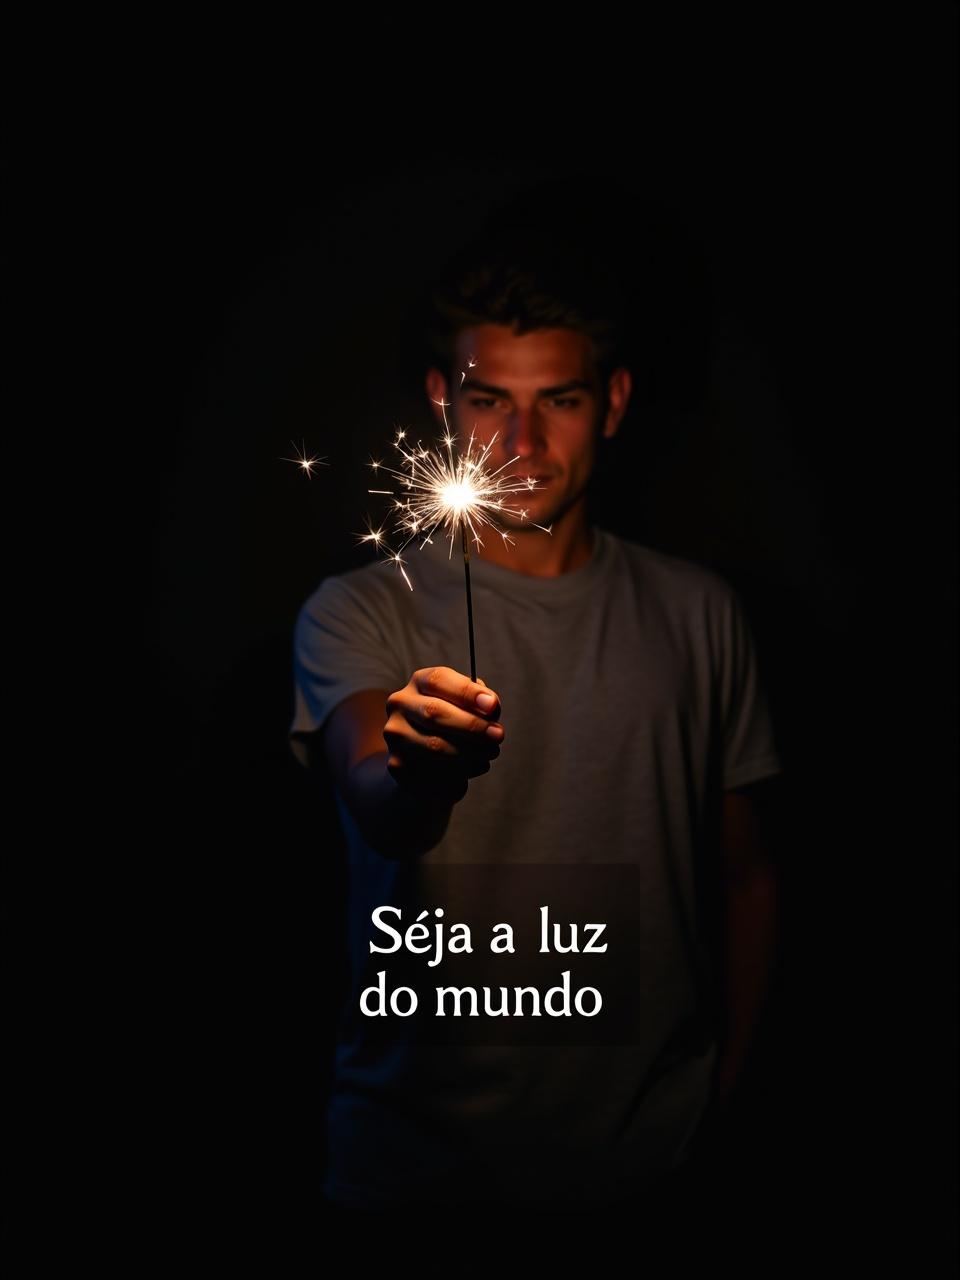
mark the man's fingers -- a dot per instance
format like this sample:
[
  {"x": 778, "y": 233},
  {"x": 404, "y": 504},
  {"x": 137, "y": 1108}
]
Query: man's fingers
[
  {"x": 441, "y": 731},
  {"x": 454, "y": 686},
  {"x": 403, "y": 738},
  {"x": 434, "y": 715}
]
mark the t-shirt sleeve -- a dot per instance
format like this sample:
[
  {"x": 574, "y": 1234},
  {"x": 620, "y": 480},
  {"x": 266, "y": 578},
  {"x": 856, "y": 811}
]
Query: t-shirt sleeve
[
  {"x": 749, "y": 747},
  {"x": 340, "y": 647}
]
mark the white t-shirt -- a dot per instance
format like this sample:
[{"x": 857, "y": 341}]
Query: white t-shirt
[{"x": 631, "y": 700}]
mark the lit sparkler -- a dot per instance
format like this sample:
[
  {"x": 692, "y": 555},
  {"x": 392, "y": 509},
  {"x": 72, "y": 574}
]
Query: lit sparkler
[
  {"x": 455, "y": 490},
  {"x": 303, "y": 461}
]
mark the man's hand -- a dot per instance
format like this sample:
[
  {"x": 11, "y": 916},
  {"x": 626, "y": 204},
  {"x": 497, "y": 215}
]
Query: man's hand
[
  {"x": 442, "y": 730},
  {"x": 438, "y": 734}
]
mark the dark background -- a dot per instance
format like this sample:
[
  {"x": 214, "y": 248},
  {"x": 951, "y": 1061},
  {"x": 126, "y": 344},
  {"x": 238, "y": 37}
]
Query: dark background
[{"x": 796, "y": 430}]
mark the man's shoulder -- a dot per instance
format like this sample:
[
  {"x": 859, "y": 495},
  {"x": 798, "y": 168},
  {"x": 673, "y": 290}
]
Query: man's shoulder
[
  {"x": 362, "y": 590},
  {"x": 669, "y": 576}
]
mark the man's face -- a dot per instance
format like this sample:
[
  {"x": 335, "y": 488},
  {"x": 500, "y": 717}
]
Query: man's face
[{"x": 539, "y": 393}]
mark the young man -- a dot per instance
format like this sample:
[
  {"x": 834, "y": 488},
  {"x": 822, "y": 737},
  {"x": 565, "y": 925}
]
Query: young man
[{"x": 607, "y": 747}]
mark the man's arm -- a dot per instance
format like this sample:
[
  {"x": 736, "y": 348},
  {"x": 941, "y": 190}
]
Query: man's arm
[
  {"x": 750, "y": 904},
  {"x": 392, "y": 821},
  {"x": 401, "y": 798}
]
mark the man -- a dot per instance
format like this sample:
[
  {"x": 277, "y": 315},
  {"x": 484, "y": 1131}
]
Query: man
[{"x": 609, "y": 747}]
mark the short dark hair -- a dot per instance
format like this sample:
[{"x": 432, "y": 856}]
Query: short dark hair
[{"x": 529, "y": 269}]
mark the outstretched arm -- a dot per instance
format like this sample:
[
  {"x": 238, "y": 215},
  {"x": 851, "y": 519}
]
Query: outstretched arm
[
  {"x": 394, "y": 822},
  {"x": 402, "y": 762}
]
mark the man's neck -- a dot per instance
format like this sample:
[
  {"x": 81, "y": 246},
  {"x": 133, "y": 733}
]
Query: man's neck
[{"x": 543, "y": 555}]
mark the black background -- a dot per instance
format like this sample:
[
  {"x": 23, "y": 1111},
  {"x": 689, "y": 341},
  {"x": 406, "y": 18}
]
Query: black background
[{"x": 798, "y": 435}]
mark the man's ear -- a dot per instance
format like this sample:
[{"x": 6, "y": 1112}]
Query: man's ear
[
  {"x": 436, "y": 391},
  {"x": 618, "y": 397}
]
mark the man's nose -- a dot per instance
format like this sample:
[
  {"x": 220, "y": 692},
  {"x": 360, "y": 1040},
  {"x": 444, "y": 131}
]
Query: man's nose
[{"x": 524, "y": 433}]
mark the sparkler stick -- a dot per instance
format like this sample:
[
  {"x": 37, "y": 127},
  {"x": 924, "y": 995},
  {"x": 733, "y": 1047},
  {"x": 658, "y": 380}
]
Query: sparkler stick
[
  {"x": 454, "y": 489},
  {"x": 466, "y": 574}
]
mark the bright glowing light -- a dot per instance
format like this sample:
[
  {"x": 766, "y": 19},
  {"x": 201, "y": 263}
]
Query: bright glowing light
[
  {"x": 456, "y": 490},
  {"x": 441, "y": 487},
  {"x": 458, "y": 497}
]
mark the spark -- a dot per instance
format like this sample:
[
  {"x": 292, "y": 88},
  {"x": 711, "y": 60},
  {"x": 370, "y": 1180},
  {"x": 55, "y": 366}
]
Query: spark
[
  {"x": 449, "y": 488},
  {"x": 305, "y": 463},
  {"x": 452, "y": 488},
  {"x": 378, "y": 538}
]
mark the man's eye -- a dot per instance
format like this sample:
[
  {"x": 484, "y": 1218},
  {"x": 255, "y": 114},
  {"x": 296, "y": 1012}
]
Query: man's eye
[
  {"x": 482, "y": 402},
  {"x": 565, "y": 402}
]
